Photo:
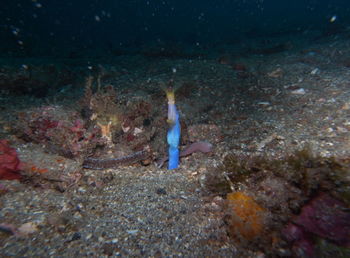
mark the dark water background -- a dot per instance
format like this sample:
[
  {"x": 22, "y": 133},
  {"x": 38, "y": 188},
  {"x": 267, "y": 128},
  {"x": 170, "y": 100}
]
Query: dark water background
[{"x": 59, "y": 28}]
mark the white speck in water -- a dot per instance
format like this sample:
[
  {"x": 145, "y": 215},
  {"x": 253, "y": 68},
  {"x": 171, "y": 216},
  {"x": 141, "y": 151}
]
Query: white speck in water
[{"x": 15, "y": 32}]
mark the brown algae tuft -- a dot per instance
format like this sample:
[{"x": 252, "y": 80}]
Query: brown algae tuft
[{"x": 302, "y": 169}]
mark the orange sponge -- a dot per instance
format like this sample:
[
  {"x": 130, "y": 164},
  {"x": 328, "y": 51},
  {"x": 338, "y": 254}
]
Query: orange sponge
[{"x": 247, "y": 217}]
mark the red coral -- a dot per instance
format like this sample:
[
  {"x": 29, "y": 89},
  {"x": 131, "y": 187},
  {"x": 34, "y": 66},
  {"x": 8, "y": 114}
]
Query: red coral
[
  {"x": 130, "y": 137},
  {"x": 39, "y": 129},
  {"x": 10, "y": 165},
  {"x": 78, "y": 130}
]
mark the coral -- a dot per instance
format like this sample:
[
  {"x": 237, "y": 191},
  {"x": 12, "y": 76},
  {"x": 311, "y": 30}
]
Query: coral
[
  {"x": 296, "y": 183},
  {"x": 101, "y": 108},
  {"x": 72, "y": 139},
  {"x": 10, "y": 165},
  {"x": 59, "y": 130},
  {"x": 326, "y": 217},
  {"x": 128, "y": 125},
  {"x": 246, "y": 217},
  {"x": 138, "y": 127},
  {"x": 323, "y": 216},
  {"x": 106, "y": 131}
]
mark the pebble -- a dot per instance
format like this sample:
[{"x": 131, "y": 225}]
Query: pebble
[
  {"x": 264, "y": 103},
  {"x": 161, "y": 191},
  {"x": 315, "y": 71},
  {"x": 276, "y": 73},
  {"x": 132, "y": 232},
  {"x": 342, "y": 129},
  {"x": 114, "y": 240},
  {"x": 88, "y": 236},
  {"x": 300, "y": 91},
  {"x": 27, "y": 228},
  {"x": 76, "y": 236}
]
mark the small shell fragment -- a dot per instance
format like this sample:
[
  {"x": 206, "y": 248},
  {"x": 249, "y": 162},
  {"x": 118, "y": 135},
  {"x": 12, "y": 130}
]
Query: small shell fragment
[{"x": 300, "y": 91}]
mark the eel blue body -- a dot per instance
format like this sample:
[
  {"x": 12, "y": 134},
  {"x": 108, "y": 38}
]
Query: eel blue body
[
  {"x": 173, "y": 138},
  {"x": 174, "y": 132}
]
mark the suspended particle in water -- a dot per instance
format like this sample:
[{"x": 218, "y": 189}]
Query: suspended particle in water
[
  {"x": 333, "y": 18},
  {"x": 15, "y": 31}
]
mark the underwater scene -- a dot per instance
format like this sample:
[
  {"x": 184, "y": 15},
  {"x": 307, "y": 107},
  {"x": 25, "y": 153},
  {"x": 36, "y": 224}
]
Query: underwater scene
[{"x": 175, "y": 128}]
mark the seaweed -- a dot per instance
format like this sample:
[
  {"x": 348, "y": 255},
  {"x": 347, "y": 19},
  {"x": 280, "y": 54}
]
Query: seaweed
[{"x": 301, "y": 169}]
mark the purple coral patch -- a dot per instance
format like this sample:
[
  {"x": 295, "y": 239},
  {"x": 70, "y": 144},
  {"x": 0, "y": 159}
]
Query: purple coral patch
[{"x": 324, "y": 217}]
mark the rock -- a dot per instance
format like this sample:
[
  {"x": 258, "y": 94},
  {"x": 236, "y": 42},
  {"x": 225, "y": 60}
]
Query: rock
[
  {"x": 276, "y": 73},
  {"x": 27, "y": 228}
]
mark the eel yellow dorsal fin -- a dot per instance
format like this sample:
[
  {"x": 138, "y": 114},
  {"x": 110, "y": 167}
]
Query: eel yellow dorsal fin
[{"x": 170, "y": 94}]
